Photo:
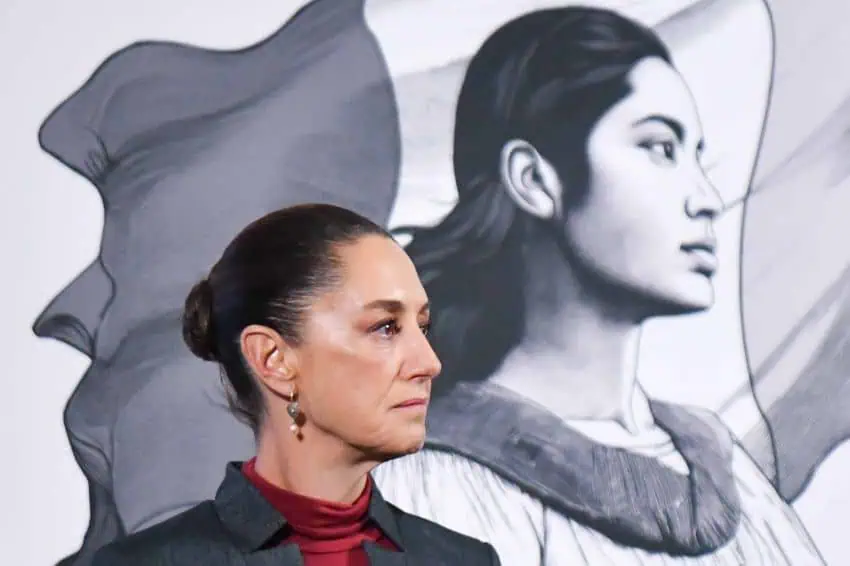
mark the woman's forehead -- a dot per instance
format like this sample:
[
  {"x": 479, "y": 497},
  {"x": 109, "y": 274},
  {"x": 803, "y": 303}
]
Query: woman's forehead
[
  {"x": 659, "y": 95},
  {"x": 375, "y": 274}
]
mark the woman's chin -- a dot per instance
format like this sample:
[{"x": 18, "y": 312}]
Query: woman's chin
[
  {"x": 697, "y": 297},
  {"x": 694, "y": 295},
  {"x": 408, "y": 442}
]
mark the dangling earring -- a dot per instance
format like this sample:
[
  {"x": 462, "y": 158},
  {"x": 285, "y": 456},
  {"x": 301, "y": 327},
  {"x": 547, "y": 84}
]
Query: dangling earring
[{"x": 294, "y": 412}]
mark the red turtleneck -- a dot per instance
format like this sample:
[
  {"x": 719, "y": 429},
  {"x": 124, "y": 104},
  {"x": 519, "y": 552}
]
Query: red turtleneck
[{"x": 328, "y": 534}]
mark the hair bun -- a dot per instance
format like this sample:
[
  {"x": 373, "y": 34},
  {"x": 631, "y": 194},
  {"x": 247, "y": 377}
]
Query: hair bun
[{"x": 198, "y": 328}]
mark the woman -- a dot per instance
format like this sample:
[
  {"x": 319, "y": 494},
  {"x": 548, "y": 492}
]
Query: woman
[
  {"x": 583, "y": 212},
  {"x": 318, "y": 321}
]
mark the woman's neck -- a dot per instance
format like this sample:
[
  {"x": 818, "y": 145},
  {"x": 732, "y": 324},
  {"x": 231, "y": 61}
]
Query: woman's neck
[
  {"x": 578, "y": 353},
  {"x": 315, "y": 466}
]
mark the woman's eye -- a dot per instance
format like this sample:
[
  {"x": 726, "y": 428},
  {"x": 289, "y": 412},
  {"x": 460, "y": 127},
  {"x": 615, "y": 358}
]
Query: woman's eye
[
  {"x": 665, "y": 150},
  {"x": 390, "y": 328},
  {"x": 387, "y": 329}
]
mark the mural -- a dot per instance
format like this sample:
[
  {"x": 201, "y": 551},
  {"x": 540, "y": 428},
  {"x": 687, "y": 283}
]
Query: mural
[
  {"x": 635, "y": 367},
  {"x": 583, "y": 211}
]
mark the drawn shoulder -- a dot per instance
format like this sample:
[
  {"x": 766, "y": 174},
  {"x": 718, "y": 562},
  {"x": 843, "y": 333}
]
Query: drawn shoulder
[{"x": 465, "y": 497}]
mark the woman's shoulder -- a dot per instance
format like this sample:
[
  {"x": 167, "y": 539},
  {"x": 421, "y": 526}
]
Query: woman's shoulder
[{"x": 193, "y": 533}]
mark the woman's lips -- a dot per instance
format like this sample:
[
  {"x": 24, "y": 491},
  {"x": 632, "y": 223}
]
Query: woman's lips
[
  {"x": 411, "y": 403},
  {"x": 704, "y": 255}
]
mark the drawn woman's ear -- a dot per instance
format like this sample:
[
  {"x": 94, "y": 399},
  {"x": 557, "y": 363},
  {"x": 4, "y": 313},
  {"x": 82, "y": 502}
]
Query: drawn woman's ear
[{"x": 529, "y": 178}]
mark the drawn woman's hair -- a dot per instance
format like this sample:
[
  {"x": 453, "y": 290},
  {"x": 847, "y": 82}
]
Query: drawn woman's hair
[{"x": 546, "y": 77}]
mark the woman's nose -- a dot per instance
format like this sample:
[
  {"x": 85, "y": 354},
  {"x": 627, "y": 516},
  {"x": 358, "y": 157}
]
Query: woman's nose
[
  {"x": 704, "y": 200},
  {"x": 424, "y": 362}
]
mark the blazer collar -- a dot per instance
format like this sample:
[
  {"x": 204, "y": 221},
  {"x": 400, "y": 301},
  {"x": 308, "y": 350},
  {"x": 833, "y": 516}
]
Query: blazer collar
[{"x": 254, "y": 522}]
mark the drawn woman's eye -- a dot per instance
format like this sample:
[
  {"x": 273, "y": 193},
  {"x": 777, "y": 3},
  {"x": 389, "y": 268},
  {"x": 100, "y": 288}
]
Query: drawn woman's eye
[{"x": 664, "y": 150}]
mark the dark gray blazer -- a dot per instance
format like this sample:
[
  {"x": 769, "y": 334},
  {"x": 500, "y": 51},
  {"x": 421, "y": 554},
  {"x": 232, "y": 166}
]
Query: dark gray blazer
[{"x": 239, "y": 527}]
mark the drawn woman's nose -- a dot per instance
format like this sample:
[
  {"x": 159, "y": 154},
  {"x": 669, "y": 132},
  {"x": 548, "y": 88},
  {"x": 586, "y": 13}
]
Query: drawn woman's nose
[
  {"x": 704, "y": 200},
  {"x": 74, "y": 315}
]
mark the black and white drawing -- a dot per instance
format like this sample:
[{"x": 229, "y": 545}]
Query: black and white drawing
[
  {"x": 634, "y": 373},
  {"x": 583, "y": 211}
]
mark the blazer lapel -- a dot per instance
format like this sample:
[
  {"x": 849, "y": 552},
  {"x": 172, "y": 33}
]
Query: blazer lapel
[
  {"x": 253, "y": 522},
  {"x": 382, "y": 514},
  {"x": 285, "y": 555},
  {"x": 380, "y": 556}
]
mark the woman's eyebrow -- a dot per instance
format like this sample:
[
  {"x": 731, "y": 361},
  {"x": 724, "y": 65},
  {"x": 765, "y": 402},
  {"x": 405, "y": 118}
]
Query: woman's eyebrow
[
  {"x": 672, "y": 123},
  {"x": 675, "y": 125}
]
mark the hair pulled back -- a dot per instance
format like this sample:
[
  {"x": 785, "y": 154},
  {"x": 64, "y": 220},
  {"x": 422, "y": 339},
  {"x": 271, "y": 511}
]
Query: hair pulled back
[
  {"x": 546, "y": 77},
  {"x": 268, "y": 275}
]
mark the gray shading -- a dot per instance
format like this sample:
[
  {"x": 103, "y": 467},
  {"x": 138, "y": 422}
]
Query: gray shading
[
  {"x": 186, "y": 146},
  {"x": 794, "y": 260},
  {"x": 795, "y": 247}
]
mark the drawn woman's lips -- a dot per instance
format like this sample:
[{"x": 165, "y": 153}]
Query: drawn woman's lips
[{"x": 703, "y": 253}]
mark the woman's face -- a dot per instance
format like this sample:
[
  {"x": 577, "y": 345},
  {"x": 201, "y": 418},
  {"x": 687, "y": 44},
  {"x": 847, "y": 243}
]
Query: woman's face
[
  {"x": 365, "y": 364},
  {"x": 646, "y": 225}
]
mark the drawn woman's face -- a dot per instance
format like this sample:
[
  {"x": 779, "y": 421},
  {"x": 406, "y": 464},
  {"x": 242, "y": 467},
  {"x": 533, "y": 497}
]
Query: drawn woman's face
[{"x": 646, "y": 225}]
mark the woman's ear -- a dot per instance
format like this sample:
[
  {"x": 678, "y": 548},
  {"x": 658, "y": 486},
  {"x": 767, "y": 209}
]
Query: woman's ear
[
  {"x": 269, "y": 357},
  {"x": 531, "y": 181}
]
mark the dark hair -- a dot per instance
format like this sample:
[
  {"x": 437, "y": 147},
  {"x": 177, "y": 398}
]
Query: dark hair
[
  {"x": 546, "y": 77},
  {"x": 267, "y": 275}
]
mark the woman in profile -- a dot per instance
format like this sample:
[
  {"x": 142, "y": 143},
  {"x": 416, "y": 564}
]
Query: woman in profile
[
  {"x": 583, "y": 211},
  {"x": 318, "y": 321}
]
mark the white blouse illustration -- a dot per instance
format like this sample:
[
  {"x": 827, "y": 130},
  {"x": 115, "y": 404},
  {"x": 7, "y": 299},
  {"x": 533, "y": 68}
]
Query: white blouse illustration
[{"x": 583, "y": 211}]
